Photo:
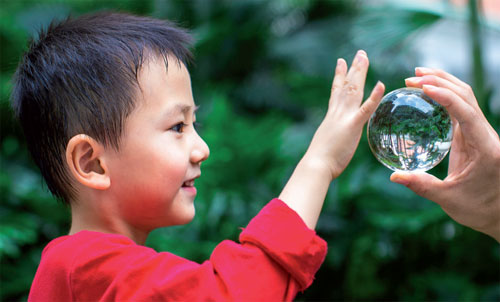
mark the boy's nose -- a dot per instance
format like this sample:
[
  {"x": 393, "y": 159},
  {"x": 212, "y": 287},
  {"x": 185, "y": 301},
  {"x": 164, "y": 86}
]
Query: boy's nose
[{"x": 200, "y": 151}]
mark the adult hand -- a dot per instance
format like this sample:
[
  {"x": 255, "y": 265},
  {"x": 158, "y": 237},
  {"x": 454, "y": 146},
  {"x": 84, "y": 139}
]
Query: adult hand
[{"x": 470, "y": 194}]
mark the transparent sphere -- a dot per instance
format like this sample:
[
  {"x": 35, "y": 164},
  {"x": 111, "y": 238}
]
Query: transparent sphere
[{"x": 409, "y": 131}]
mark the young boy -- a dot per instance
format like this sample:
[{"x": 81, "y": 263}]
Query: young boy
[{"x": 106, "y": 106}]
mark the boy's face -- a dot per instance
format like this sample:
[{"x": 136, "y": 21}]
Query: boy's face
[{"x": 152, "y": 175}]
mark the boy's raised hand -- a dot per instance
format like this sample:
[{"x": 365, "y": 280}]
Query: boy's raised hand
[
  {"x": 470, "y": 194},
  {"x": 338, "y": 135},
  {"x": 335, "y": 140}
]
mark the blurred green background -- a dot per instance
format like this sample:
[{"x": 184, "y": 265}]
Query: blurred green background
[{"x": 262, "y": 77}]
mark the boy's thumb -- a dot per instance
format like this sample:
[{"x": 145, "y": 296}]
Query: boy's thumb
[{"x": 423, "y": 184}]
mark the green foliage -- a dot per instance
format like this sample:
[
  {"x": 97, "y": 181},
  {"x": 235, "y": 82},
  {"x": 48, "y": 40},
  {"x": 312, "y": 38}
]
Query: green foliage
[{"x": 262, "y": 76}]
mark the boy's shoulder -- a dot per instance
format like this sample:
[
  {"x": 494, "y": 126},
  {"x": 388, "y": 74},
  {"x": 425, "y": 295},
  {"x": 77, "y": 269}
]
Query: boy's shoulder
[
  {"x": 73, "y": 252},
  {"x": 65, "y": 254},
  {"x": 72, "y": 245},
  {"x": 72, "y": 264}
]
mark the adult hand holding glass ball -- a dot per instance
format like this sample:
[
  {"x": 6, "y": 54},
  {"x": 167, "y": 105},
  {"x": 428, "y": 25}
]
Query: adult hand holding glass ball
[{"x": 470, "y": 194}]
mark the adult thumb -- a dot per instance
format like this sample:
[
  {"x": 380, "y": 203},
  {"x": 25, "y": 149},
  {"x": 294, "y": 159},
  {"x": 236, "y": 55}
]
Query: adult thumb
[{"x": 423, "y": 184}]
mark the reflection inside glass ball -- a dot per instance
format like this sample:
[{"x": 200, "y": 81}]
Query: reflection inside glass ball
[{"x": 409, "y": 131}]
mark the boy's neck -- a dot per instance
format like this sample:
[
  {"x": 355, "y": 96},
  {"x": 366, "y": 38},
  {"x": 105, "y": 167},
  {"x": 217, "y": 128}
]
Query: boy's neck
[{"x": 100, "y": 220}]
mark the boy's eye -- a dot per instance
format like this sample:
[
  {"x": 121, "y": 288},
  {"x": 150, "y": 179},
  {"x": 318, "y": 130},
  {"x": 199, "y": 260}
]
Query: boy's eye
[{"x": 179, "y": 127}]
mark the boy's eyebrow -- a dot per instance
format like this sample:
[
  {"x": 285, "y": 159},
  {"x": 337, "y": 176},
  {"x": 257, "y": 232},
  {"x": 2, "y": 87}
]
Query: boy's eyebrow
[{"x": 184, "y": 109}]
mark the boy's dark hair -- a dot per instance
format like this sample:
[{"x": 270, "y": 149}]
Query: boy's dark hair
[{"x": 80, "y": 76}]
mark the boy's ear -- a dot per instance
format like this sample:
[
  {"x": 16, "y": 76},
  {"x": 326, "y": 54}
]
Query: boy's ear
[{"x": 84, "y": 156}]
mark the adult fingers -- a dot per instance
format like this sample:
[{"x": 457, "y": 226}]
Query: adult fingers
[
  {"x": 461, "y": 89},
  {"x": 423, "y": 184},
  {"x": 435, "y": 81},
  {"x": 422, "y": 71},
  {"x": 467, "y": 117}
]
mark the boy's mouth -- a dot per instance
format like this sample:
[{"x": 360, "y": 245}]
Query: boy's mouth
[
  {"x": 189, "y": 183},
  {"x": 188, "y": 186}
]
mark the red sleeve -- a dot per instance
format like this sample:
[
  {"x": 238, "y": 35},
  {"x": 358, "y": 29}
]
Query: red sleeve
[
  {"x": 284, "y": 237},
  {"x": 277, "y": 257}
]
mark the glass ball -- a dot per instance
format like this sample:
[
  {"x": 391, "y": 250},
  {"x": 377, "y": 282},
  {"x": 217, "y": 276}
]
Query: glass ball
[{"x": 409, "y": 131}]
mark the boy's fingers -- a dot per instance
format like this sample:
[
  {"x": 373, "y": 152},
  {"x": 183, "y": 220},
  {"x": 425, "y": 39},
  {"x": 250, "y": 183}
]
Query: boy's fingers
[
  {"x": 369, "y": 106},
  {"x": 339, "y": 78},
  {"x": 355, "y": 79},
  {"x": 423, "y": 184}
]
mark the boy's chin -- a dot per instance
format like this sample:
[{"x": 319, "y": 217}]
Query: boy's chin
[
  {"x": 187, "y": 220},
  {"x": 186, "y": 217}
]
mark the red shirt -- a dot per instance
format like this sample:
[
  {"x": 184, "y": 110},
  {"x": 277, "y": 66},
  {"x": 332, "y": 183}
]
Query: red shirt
[{"x": 278, "y": 256}]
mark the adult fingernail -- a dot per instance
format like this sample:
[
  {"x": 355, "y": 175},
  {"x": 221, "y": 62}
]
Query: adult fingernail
[
  {"x": 429, "y": 87},
  {"x": 413, "y": 79},
  {"x": 399, "y": 180},
  {"x": 403, "y": 182},
  {"x": 422, "y": 70}
]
